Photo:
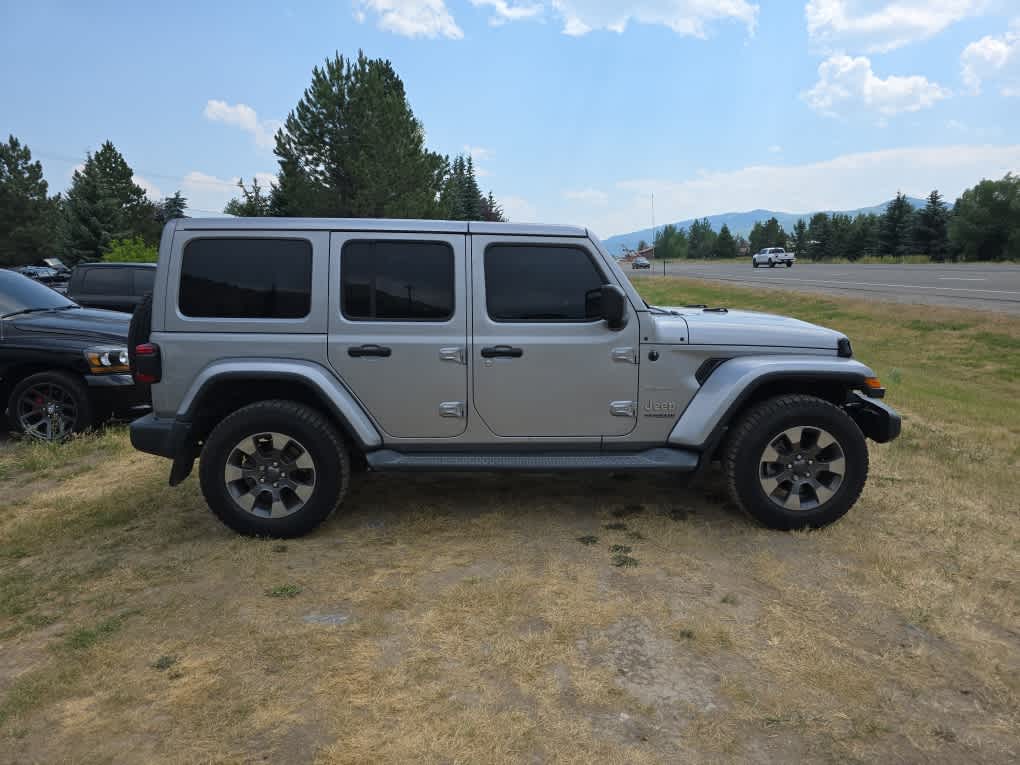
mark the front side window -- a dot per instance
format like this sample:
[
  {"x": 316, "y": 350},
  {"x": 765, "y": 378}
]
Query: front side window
[
  {"x": 541, "y": 283},
  {"x": 246, "y": 278},
  {"x": 397, "y": 281}
]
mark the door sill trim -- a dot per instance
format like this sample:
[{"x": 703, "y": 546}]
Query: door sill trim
[{"x": 659, "y": 458}]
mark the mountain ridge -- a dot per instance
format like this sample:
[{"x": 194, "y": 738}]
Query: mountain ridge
[{"x": 741, "y": 223}]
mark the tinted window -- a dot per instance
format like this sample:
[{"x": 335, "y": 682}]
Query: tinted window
[
  {"x": 246, "y": 278},
  {"x": 106, "y": 281},
  {"x": 541, "y": 283},
  {"x": 144, "y": 279},
  {"x": 18, "y": 292},
  {"x": 394, "y": 281}
]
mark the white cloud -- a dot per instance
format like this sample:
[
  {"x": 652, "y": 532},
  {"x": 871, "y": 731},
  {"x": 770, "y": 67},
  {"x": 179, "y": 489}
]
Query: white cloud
[
  {"x": 877, "y": 27},
  {"x": 849, "y": 84},
  {"x": 841, "y": 183},
  {"x": 593, "y": 197},
  {"x": 244, "y": 117},
  {"x": 509, "y": 10},
  {"x": 995, "y": 58},
  {"x": 411, "y": 18},
  {"x": 431, "y": 18},
  {"x": 151, "y": 190},
  {"x": 519, "y": 210},
  {"x": 207, "y": 194},
  {"x": 685, "y": 17},
  {"x": 478, "y": 152}
]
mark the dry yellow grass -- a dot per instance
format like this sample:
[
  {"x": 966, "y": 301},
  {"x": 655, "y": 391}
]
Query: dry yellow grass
[{"x": 134, "y": 628}]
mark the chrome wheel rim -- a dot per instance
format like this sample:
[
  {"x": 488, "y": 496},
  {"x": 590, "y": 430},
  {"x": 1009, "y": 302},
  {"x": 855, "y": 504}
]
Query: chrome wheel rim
[
  {"x": 270, "y": 475},
  {"x": 47, "y": 412},
  {"x": 802, "y": 468}
]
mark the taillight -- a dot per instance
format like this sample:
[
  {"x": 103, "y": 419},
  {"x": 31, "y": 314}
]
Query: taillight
[{"x": 148, "y": 367}]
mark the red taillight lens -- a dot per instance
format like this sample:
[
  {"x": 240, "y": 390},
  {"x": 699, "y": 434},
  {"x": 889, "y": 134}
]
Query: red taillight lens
[{"x": 147, "y": 366}]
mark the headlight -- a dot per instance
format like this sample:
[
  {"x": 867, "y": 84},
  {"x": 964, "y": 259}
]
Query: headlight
[{"x": 104, "y": 361}]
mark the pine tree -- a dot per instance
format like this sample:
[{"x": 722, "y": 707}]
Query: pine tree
[
  {"x": 29, "y": 225},
  {"x": 800, "y": 238},
  {"x": 103, "y": 204},
  {"x": 896, "y": 228},
  {"x": 253, "y": 203},
  {"x": 931, "y": 227},
  {"x": 725, "y": 244},
  {"x": 352, "y": 147},
  {"x": 172, "y": 207}
]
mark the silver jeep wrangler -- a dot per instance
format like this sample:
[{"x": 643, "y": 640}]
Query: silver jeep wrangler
[{"x": 282, "y": 352}]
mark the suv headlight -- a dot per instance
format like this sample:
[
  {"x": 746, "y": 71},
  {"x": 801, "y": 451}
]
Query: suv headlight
[{"x": 105, "y": 361}]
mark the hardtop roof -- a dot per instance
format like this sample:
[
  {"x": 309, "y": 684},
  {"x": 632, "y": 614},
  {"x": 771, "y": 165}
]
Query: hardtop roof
[{"x": 390, "y": 225}]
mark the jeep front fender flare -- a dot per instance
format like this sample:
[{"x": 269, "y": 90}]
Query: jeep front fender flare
[
  {"x": 733, "y": 381},
  {"x": 342, "y": 403}
]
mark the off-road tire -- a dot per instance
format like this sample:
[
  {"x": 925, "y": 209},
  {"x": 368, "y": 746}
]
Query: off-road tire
[
  {"x": 789, "y": 264},
  {"x": 772, "y": 263},
  {"x": 303, "y": 423},
  {"x": 71, "y": 383},
  {"x": 754, "y": 263},
  {"x": 748, "y": 438},
  {"x": 140, "y": 328}
]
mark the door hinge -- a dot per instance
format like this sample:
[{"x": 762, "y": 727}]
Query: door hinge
[
  {"x": 626, "y": 355},
  {"x": 453, "y": 353},
  {"x": 451, "y": 409},
  {"x": 623, "y": 408}
]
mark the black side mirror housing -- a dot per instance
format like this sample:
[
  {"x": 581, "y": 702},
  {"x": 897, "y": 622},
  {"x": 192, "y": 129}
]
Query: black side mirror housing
[{"x": 614, "y": 306}]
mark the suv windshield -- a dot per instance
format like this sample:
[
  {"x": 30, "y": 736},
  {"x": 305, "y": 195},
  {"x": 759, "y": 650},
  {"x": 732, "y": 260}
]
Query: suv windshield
[{"x": 19, "y": 293}]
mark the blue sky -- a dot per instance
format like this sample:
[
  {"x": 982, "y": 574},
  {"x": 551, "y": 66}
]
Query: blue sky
[{"x": 575, "y": 110}]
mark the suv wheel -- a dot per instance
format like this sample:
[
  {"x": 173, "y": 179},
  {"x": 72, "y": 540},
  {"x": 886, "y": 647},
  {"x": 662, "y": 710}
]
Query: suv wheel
[
  {"x": 754, "y": 263},
  {"x": 50, "y": 406},
  {"x": 795, "y": 462},
  {"x": 772, "y": 263},
  {"x": 275, "y": 469}
]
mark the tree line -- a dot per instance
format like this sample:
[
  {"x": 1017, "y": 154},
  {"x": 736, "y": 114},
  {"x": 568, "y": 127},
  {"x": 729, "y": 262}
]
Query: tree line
[
  {"x": 983, "y": 224},
  {"x": 351, "y": 148}
]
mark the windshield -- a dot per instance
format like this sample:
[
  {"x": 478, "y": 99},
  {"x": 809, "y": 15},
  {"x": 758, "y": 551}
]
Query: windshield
[{"x": 18, "y": 293}]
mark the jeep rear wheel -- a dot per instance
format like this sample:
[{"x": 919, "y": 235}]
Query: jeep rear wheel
[
  {"x": 275, "y": 469},
  {"x": 795, "y": 462}
]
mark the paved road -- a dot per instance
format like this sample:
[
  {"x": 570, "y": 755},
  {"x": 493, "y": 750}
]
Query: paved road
[{"x": 987, "y": 287}]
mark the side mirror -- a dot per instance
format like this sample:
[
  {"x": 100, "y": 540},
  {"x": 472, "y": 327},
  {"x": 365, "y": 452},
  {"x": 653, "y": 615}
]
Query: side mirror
[{"x": 614, "y": 306}]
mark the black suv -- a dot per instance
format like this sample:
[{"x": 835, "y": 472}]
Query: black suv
[
  {"x": 63, "y": 368},
  {"x": 114, "y": 286}
]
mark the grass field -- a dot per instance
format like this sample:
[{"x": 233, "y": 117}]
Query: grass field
[{"x": 547, "y": 618}]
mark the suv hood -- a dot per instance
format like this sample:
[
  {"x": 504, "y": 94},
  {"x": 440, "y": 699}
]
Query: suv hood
[
  {"x": 78, "y": 322},
  {"x": 729, "y": 327}
]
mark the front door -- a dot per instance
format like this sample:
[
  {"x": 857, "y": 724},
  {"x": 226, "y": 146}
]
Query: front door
[
  {"x": 398, "y": 329},
  {"x": 544, "y": 363}
]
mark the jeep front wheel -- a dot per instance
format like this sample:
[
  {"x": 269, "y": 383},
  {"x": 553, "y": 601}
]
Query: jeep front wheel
[
  {"x": 795, "y": 462},
  {"x": 275, "y": 469}
]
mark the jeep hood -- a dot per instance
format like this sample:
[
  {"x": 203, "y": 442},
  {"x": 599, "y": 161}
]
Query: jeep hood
[{"x": 730, "y": 327}]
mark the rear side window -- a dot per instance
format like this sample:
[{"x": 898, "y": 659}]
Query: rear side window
[
  {"x": 106, "y": 281},
  {"x": 144, "y": 279},
  {"x": 541, "y": 283},
  {"x": 246, "y": 278},
  {"x": 397, "y": 281}
]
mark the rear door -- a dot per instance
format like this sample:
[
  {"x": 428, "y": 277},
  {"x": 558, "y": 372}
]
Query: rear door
[
  {"x": 544, "y": 363},
  {"x": 398, "y": 329}
]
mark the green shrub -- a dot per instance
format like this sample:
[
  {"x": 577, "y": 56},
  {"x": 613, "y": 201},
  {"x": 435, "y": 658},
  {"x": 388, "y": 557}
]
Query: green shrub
[{"x": 133, "y": 250}]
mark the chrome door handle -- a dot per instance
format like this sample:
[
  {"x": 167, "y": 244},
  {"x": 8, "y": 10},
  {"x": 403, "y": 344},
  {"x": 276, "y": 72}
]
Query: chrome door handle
[{"x": 452, "y": 353}]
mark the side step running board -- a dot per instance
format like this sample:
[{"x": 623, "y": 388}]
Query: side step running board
[{"x": 651, "y": 459}]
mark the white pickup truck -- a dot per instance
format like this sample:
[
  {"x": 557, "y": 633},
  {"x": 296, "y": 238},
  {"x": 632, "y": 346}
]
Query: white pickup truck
[{"x": 772, "y": 257}]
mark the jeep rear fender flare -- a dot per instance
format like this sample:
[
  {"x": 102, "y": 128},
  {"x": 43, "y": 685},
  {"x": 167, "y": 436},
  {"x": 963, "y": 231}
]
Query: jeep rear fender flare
[
  {"x": 734, "y": 381},
  {"x": 314, "y": 376}
]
